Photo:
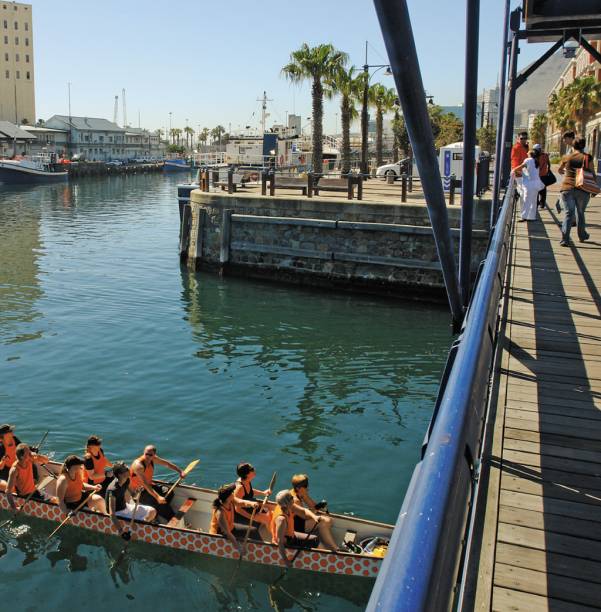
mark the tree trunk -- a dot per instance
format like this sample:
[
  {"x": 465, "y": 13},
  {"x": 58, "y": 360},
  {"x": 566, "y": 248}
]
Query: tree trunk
[
  {"x": 379, "y": 129},
  {"x": 345, "y": 117},
  {"x": 396, "y": 140},
  {"x": 317, "y": 94}
]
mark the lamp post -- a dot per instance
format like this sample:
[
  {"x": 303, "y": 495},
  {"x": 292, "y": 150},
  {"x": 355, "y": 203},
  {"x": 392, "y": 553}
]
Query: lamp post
[
  {"x": 366, "y": 78},
  {"x": 170, "y": 113}
]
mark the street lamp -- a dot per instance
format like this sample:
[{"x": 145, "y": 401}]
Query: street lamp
[{"x": 366, "y": 78}]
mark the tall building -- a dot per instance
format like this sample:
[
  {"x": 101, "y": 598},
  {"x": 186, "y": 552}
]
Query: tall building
[{"x": 17, "y": 93}]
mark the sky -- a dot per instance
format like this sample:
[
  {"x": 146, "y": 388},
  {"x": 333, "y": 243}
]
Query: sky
[{"x": 208, "y": 62}]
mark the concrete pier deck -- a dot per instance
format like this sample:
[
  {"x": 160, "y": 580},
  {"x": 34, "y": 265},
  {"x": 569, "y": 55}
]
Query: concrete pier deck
[{"x": 539, "y": 533}]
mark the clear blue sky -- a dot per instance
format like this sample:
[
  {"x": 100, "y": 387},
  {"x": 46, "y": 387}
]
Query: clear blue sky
[{"x": 208, "y": 61}]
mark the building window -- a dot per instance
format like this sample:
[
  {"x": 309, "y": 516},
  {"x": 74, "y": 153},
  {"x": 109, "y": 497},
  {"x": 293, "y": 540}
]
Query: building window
[
  {"x": 6, "y": 57},
  {"x": 27, "y": 59},
  {"x": 5, "y": 24},
  {"x": 16, "y": 40},
  {"x": 16, "y": 57},
  {"x": 26, "y": 27},
  {"x": 27, "y": 42},
  {"x": 6, "y": 40},
  {"x": 7, "y": 74},
  {"x": 18, "y": 74},
  {"x": 16, "y": 25},
  {"x": 28, "y": 76}
]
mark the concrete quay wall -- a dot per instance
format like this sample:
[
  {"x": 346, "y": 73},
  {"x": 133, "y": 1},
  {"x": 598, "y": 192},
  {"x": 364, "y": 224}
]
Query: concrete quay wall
[{"x": 376, "y": 248}]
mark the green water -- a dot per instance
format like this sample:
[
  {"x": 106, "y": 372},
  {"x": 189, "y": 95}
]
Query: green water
[{"x": 102, "y": 331}]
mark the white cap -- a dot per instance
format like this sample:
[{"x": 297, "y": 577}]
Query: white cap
[{"x": 537, "y": 147}]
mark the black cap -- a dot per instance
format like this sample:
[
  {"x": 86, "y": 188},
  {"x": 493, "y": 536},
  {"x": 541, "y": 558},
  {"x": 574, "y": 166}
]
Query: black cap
[
  {"x": 6, "y": 428},
  {"x": 72, "y": 460}
]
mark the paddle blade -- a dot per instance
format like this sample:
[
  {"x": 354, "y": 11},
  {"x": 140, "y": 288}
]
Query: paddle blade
[{"x": 191, "y": 466}]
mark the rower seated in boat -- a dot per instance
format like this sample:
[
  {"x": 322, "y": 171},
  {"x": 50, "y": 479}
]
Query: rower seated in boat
[
  {"x": 96, "y": 464},
  {"x": 120, "y": 504},
  {"x": 8, "y": 448},
  {"x": 244, "y": 490},
  {"x": 282, "y": 525},
  {"x": 222, "y": 518},
  {"x": 21, "y": 479},
  {"x": 72, "y": 488},
  {"x": 142, "y": 473},
  {"x": 300, "y": 493}
]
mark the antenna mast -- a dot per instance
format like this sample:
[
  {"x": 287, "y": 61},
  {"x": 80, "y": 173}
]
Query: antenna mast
[
  {"x": 264, "y": 113},
  {"x": 116, "y": 109},
  {"x": 124, "y": 108}
]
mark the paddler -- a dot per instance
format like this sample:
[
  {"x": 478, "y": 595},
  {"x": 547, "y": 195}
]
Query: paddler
[
  {"x": 282, "y": 525},
  {"x": 244, "y": 490},
  {"x": 222, "y": 518},
  {"x": 119, "y": 501},
  {"x": 300, "y": 492},
  {"x": 141, "y": 474},
  {"x": 96, "y": 464},
  {"x": 8, "y": 452},
  {"x": 71, "y": 487},
  {"x": 20, "y": 477}
]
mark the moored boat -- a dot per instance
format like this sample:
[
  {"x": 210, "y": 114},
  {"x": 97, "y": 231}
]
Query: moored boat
[
  {"x": 189, "y": 530},
  {"x": 177, "y": 165},
  {"x": 30, "y": 171}
]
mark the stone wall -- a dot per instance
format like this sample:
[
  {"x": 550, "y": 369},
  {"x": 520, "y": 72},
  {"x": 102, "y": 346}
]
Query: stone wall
[{"x": 385, "y": 248}]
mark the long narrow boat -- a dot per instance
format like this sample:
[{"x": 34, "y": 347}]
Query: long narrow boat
[{"x": 189, "y": 530}]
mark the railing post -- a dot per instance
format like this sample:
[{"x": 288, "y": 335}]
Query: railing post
[
  {"x": 452, "y": 190},
  {"x": 359, "y": 187},
  {"x": 403, "y": 188},
  {"x": 272, "y": 182},
  {"x": 349, "y": 187},
  {"x": 309, "y": 184},
  {"x": 263, "y": 182},
  {"x": 230, "y": 180}
]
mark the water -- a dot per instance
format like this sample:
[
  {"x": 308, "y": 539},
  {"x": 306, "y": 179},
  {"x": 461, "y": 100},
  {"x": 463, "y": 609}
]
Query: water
[{"x": 102, "y": 331}]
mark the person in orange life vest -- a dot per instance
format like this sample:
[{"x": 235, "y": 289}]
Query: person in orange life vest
[
  {"x": 96, "y": 462},
  {"x": 300, "y": 493},
  {"x": 120, "y": 504},
  {"x": 282, "y": 525},
  {"x": 72, "y": 488},
  {"x": 244, "y": 490},
  {"x": 142, "y": 473},
  {"x": 222, "y": 518},
  {"x": 20, "y": 478},
  {"x": 8, "y": 449}
]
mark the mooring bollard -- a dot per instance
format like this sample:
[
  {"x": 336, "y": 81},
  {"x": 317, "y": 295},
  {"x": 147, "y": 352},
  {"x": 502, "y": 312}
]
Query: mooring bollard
[
  {"x": 263, "y": 183},
  {"x": 230, "y": 180},
  {"x": 390, "y": 178},
  {"x": 272, "y": 182},
  {"x": 309, "y": 184},
  {"x": 404, "y": 188},
  {"x": 452, "y": 190}
]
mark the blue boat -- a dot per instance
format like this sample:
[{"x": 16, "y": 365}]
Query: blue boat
[
  {"x": 177, "y": 165},
  {"x": 32, "y": 171}
]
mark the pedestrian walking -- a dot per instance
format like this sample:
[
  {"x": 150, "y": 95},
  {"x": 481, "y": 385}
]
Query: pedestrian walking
[
  {"x": 519, "y": 154},
  {"x": 531, "y": 185},
  {"x": 546, "y": 176}
]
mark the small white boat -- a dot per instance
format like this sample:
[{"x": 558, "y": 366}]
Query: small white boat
[
  {"x": 30, "y": 171},
  {"x": 189, "y": 530}
]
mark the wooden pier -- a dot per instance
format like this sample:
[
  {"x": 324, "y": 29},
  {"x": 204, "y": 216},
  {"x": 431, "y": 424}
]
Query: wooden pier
[{"x": 538, "y": 544}]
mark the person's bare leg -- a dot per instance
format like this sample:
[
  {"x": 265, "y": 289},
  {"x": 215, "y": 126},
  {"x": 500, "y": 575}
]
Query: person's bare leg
[{"x": 325, "y": 532}]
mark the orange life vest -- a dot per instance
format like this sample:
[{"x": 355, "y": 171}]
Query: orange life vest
[
  {"x": 289, "y": 523},
  {"x": 228, "y": 513},
  {"x": 135, "y": 482},
  {"x": 24, "y": 482},
  {"x": 10, "y": 449},
  {"x": 100, "y": 463},
  {"x": 74, "y": 487}
]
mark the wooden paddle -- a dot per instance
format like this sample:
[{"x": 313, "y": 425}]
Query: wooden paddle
[
  {"x": 296, "y": 554},
  {"x": 190, "y": 467},
  {"x": 255, "y": 509},
  {"x": 131, "y": 524},
  {"x": 71, "y": 515}
]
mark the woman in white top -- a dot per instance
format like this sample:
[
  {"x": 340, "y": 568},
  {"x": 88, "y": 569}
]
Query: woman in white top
[{"x": 531, "y": 185}]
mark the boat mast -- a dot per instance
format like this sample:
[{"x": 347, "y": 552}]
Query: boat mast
[{"x": 264, "y": 113}]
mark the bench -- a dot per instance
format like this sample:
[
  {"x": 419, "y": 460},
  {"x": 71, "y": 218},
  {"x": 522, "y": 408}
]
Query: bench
[
  {"x": 344, "y": 185},
  {"x": 179, "y": 515},
  {"x": 282, "y": 182}
]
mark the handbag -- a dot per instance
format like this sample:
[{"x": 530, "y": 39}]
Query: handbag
[
  {"x": 586, "y": 180},
  {"x": 548, "y": 179}
]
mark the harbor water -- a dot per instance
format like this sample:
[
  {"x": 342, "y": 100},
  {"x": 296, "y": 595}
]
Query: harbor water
[{"x": 102, "y": 331}]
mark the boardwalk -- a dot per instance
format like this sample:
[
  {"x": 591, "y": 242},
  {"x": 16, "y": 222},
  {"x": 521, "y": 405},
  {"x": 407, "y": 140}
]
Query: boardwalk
[{"x": 540, "y": 501}]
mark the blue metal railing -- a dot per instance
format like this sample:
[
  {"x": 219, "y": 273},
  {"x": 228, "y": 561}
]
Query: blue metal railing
[{"x": 421, "y": 569}]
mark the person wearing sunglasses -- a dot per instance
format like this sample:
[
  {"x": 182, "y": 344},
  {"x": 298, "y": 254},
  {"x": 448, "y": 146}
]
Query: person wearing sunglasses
[{"x": 142, "y": 473}]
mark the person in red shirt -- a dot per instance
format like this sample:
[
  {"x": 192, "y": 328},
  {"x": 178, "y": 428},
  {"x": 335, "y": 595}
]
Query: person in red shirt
[{"x": 519, "y": 152}]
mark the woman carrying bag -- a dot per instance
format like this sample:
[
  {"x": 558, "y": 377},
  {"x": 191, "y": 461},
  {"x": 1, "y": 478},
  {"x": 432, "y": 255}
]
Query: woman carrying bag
[{"x": 546, "y": 176}]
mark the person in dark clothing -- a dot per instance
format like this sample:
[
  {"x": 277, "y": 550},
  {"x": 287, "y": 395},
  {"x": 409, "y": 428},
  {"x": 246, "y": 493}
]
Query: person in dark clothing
[{"x": 8, "y": 452}]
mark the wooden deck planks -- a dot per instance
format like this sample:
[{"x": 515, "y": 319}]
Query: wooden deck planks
[{"x": 543, "y": 538}]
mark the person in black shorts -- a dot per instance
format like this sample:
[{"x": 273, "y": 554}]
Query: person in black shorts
[{"x": 21, "y": 479}]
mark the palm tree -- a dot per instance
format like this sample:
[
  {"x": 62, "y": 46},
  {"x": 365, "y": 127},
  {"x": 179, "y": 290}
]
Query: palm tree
[
  {"x": 203, "y": 135},
  {"x": 189, "y": 133},
  {"x": 217, "y": 132},
  {"x": 583, "y": 100},
  {"x": 315, "y": 64},
  {"x": 349, "y": 85},
  {"x": 383, "y": 99},
  {"x": 538, "y": 131}
]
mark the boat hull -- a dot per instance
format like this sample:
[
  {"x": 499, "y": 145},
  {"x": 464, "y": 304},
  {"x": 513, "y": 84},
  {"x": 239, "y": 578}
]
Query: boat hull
[
  {"x": 198, "y": 541},
  {"x": 171, "y": 167},
  {"x": 14, "y": 175}
]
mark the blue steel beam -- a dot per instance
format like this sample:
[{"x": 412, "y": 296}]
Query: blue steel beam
[
  {"x": 496, "y": 182},
  {"x": 470, "y": 104},
  {"x": 400, "y": 45}
]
